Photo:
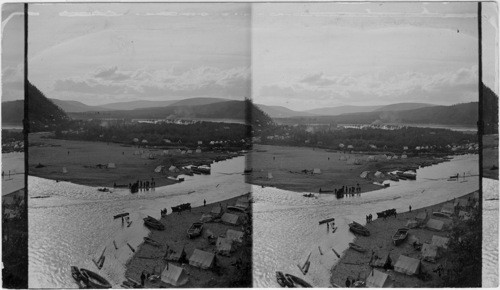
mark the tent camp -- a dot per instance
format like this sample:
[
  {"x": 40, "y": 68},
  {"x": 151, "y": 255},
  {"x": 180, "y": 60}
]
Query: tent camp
[
  {"x": 236, "y": 236},
  {"x": 378, "y": 279},
  {"x": 216, "y": 211},
  {"x": 448, "y": 208},
  {"x": 435, "y": 225},
  {"x": 175, "y": 253},
  {"x": 317, "y": 171},
  {"x": 411, "y": 224},
  {"x": 440, "y": 242},
  {"x": 379, "y": 174},
  {"x": 421, "y": 216},
  {"x": 429, "y": 252},
  {"x": 407, "y": 265},
  {"x": 174, "y": 275},
  {"x": 224, "y": 246},
  {"x": 364, "y": 174},
  {"x": 231, "y": 219},
  {"x": 202, "y": 259}
]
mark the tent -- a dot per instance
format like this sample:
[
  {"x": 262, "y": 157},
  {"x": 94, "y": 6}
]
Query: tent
[
  {"x": 378, "y": 279},
  {"x": 421, "y": 216},
  {"x": 64, "y": 170},
  {"x": 205, "y": 218},
  {"x": 175, "y": 253},
  {"x": 189, "y": 151},
  {"x": 269, "y": 175},
  {"x": 231, "y": 219},
  {"x": 371, "y": 158},
  {"x": 343, "y": 158},
  {"x": 174, "y": 275},
  {"x": 317, "y": 171},
  {"x": 216, "y": 211},
  {"x": 224, "y": 246},
  {"x": 448, "y": 208},
  {"x": 435, "y": 225},
  {"x": 198, "y": 150},
  {"x": 379, "y": 174},
  {"x": 404, "y": 156},
  {"x": 429, "y": 252},
  {"x": 382, "y": 261},
  {"x": 173, "y": 169},
  {"x": 411, "y": 224},
  {"x": 364, "y": 174},
  {"x": 202, "y": 259},
  {"x": 158, "y": 169},
  {"x": 407, "y": 265},
  {"x": 236, "y": 236},
  {"x": 440, "y": 242},
  {"x": 242, "y": 203}
]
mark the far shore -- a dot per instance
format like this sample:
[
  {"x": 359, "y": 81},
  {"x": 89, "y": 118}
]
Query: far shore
[
  {"x": 48, "y": 157},
  {"x": 355, "y": 265},
  {"x": 285, "y": 165}
]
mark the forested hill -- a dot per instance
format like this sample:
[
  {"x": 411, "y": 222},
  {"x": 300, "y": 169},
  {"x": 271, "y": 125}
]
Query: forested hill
[
  {"x": 43, "y": 114},
  {"x": 459, "y": 114},
  {"x": 490, "y": 111},
  {"x": 13, "y": 112},
  {"x": 236, "y": 110}
]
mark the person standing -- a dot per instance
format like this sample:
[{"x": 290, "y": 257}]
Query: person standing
[
  {"x": 143, "y": 277},
  {"x": 204, "y": 202},
  {"x": 410, "y": 208},
  {"x": 348, "y": 282}
]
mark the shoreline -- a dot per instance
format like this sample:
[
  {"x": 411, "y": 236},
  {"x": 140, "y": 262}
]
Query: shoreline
[
  {"x": 151, "y": 259},
  {"x": 356, "y": 265}
]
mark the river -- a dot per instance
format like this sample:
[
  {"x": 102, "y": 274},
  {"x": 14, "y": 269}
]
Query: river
[{"x": 286, "y": 223}]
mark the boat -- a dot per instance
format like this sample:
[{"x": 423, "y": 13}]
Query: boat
[
  {"x": 120, "y": 215},
  {"x": 75, "y": 272},
  {"x": 151, "y": 242},
  {"x": 94, "y": 280},
  {"x": 400, "y": 236},
  {"x": 441, "y": 214},
  {"x": 248, "y": 170},
  {"x": 326, "y": 221},
  {"x": 296, "y": 281},
  {"x": 153, "y": 223},
  {"x": 358, "y": 229},
  {"x": 103, "y": 189},
  {"x": 325, "y": 191},
  {"x": 308, "y": 194},
  {"x": 282, "y": 280},
  {"x": 357, "y": 247},
  {"x": 195, "y": 230},
  {"x": 408, "y": 175}
]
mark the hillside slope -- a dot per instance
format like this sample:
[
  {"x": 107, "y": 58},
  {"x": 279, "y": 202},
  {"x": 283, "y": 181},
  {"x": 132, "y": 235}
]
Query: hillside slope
[{"x": 42, "y": 113}]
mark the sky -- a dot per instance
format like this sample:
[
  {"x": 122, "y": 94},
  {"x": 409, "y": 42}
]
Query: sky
[{"x": 299, "y": 55}]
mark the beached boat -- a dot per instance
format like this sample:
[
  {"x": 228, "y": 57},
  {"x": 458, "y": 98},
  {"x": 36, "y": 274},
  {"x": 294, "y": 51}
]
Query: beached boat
[
  {"x": 297, "y": 282},
  {"x": 248, "y": 170},
  {"x": 94, "y": 280},
  {"x": 308, "y": 195},
  {"x": 358, "y": 229},
  {"x": 326, "y": 221},
  {"x": 120, "y": 215},
  {"x": 441, "y": 214},
  {"x": 75, "y": 272},
  {"x": 153, "y": 223},
  {"x": 357, "y": 247},
  {"x": 103, "y": 189},
  {"x": 195, "y": 230},
  {"x": 412, "y": 175},
  {"x": 151, "y": 242},
  {"x": 400, "y": 236},
  {"x": 282, "y": 280}
]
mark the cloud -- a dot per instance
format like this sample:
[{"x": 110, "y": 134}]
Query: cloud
[
  {"x": 443, "y": 88},
  {"x": 88, "y": 13},
  {"x": 197, "y": 82}
]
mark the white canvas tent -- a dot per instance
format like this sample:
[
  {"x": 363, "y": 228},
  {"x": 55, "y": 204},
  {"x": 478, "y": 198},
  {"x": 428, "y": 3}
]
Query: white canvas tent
[
  {"x": 230, "y": 219},
  {"x": 364, "y": 174},
  {"x": 429, "y": 253},
  {"x": 236, "y": 236},
  {"x": 202, "y": 259},
  {"x": 407, "y": 265},
  {"x": 242, "y": 203},
  {"x": 435, "y": 225},
  {"x": 317, "y": 171},
  {"x": 371, "y": 158},
  {"x": 224, "y": 246},
  {"x": 174, "y": 275},
  {"x": 64, "y": 170},
  {"x": 378, "y": 279},
  {"x": 440, "y": 242},
  {"x": 173, "y": 169},
  {"x": 269, "y": 175},
  {"x": 379, "y": 174},
  {"x": 158, "y": 168},
  {"x": 111, "y": 165}
]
